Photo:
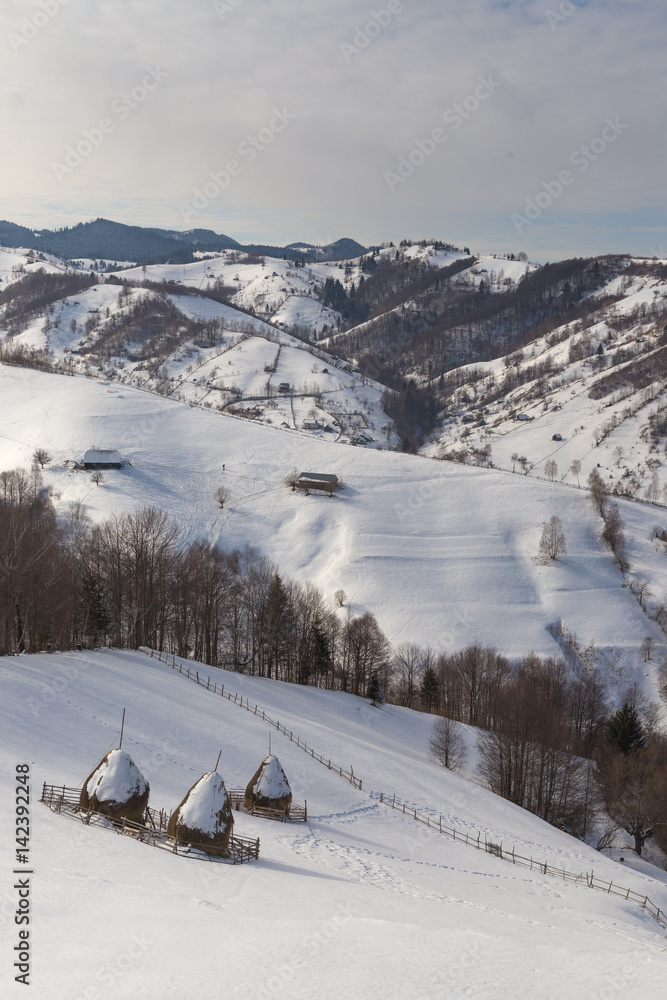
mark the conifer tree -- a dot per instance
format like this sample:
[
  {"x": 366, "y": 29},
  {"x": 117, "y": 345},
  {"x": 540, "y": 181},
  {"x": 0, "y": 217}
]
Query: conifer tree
[
  {"x": 430, "y": 689},
  {"x": 625, "y": 732},
  {"x": 375, "y": 692}
]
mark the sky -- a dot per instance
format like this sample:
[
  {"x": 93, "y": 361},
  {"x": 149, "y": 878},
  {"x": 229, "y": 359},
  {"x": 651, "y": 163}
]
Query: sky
[{"x": 501, "y": 125}]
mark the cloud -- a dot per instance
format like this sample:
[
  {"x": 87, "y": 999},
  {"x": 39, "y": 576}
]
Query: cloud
[{"x": 365, "y": 84}]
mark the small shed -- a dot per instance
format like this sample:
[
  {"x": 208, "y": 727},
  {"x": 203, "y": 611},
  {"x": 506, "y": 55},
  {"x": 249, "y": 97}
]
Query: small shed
[
  {"x": 318, "y": 481},
  {"x": 98, "y": 458}
]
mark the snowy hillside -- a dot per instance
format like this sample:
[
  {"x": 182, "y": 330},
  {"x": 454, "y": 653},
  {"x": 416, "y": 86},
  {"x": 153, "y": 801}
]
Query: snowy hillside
[
  {"x": 443, "y": 555},
  {"x": 206, "y": 352},
  {"x": 360, "y": 901},
  {"x": 591, "y": 395}
]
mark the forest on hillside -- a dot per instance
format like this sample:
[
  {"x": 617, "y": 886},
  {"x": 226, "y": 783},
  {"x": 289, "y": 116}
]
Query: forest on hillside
[{"x": 129, "y": 582}]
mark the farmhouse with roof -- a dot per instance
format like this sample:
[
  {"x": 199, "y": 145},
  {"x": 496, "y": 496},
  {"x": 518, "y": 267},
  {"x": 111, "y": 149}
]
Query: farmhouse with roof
[
  {"x": 99, "y": 458},
  {"x": 317, "y": 481}
]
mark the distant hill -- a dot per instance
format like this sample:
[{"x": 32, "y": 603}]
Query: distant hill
[{"x": 107, "y": 240}]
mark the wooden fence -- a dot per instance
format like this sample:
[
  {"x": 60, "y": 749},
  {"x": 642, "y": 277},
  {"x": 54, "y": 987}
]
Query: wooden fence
[
  {"x": 238, "y": 699},
  {"x": 294, "y": 813},
  {"x": 497, "y": 850},
  {"x": 60, "y": 799}
]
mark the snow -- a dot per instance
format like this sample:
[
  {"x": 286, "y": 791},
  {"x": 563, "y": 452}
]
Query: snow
[
  {"x": 443, "y": 555},
  {"x": 97, "y": 457},
  {"x": 117, "y": 778},
  {"x": 359, "y": 902},
  {"x": 272, "y": 782},
  {"x": 204, "y": 804}
]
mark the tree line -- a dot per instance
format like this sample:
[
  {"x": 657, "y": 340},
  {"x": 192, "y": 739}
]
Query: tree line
[
  {"x": 548, "y": 740},
  {"x": 128, "y": 581}
]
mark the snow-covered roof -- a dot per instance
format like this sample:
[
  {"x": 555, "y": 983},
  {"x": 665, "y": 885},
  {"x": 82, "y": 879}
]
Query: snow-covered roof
[
  {"x": 319, "y": 477},
  {"x": 96, "y": 456}
]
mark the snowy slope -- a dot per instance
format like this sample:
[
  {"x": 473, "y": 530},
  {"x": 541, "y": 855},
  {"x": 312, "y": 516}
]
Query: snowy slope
[
  {"x": 336, "y": 404},
  {"x": 443, "y": 555},
  {"x": 598, "y": 427},
  {"x": 360, "y": 902}
]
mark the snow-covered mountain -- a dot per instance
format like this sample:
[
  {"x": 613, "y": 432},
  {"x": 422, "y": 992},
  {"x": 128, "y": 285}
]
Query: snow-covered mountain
[
  {"x": 441, "y": 554},
  {"x": 586, "y": 395}
]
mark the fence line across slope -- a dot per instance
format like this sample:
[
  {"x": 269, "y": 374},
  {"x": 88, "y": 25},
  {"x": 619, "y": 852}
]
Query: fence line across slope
[{"x": 497, "y": 850}]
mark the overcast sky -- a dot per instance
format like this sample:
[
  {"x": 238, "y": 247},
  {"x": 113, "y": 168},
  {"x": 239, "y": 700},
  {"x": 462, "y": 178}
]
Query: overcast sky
[{"x": 378, "y": 120}]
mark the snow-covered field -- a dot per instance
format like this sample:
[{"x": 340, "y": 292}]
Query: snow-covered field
[
  {"x": 443, "y": 555},
  {"x": 358, "y": 902}
]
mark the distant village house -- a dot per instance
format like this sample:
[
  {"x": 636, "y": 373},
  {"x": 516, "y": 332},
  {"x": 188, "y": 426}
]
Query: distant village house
[
  {"x": 317, "y": 481},
  {"x": 97, "y": 458}
]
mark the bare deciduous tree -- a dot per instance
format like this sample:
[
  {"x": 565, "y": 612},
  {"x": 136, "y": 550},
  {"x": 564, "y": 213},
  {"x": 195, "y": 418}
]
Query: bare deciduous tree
[
  {"x": 599, "y": 492},
  {"x": 551, "y": 469},
  {"x": 447, "y": 744},
  {"x": 634, "y": 787},
  {"x": 653, "y": 489},
  {"x": 408, "y": 670},
  {"x": 292, "y": 478},
  {"x": 41, "y": 457},
  {"x": 648, "y": 645},
  {"x": 552, "y": 542},
  {"x": 97, "y": 478},
  {"x": 575, "y": 469},
  {"x": 221, "y": 496},
  {"x": 613, "y": 534}
]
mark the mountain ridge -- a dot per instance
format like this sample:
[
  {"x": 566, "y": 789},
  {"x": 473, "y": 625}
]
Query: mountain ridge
[{"x": 108, "y": 240}]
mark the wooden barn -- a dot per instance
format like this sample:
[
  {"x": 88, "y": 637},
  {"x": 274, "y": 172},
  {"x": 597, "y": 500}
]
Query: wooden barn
[
  {"x": 97, "y": 458},
  {"x": 318, "y": 481}
]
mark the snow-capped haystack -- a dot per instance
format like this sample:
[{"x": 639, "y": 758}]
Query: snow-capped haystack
[
  {"x": 269, "y": 786},
  {"x": 204, "y": 817},
  {"x": 116, "y": 788}
]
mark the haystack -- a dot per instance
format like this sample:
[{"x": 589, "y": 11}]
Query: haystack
[
  {"x": 269, "y": 786},
  {"x": 204, "y": 817},
  {"x": 116, "y": 788}
]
